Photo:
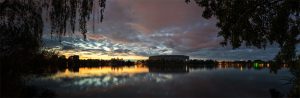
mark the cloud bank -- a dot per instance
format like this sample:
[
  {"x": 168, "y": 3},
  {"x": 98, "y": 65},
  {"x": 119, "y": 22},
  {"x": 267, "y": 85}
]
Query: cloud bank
[{"x": 153, "y": 27}]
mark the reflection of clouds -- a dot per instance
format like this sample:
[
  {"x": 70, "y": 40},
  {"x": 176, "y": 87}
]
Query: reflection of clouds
[
  {"x": 104, "y": 77},
  {"x": 103, "y": 81},
  {"x": 108, "y": 80},
  {"x": 198, "y": 83}
]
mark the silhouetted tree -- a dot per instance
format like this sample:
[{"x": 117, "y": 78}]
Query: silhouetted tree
[
  {"x": 58, "y": 13},
  {"x": 257, "y": 23},
  {"x": 21, "y": 27}
]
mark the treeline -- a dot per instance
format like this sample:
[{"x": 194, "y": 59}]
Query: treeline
[
  {"x": 173, "y": 63},
  {"x": 113, "y": 62},
  {"x": 212, "y": 64},
  {"x": 184, "y": 66},
  {"x": 74, "y": 61},
  {"x": 51, "y": 62},
  {"x": 196, "y": 62}
]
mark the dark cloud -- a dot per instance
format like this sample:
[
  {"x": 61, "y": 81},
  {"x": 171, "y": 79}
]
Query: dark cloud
[
  {"x": 66, "y": 47},
  {"x": 122, "y": 50},
  {"x": 152, "y": 27},
  {"x": 158, "y": 14},
  {"x": 172, "y": 23},
  {"x": 237, "y": 54}
]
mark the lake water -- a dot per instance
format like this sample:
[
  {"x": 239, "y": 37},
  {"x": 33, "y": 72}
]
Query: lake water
[{"x": 141, "y": 81}]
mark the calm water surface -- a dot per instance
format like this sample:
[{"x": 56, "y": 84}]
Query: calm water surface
[{"x": 139, "y": 81}]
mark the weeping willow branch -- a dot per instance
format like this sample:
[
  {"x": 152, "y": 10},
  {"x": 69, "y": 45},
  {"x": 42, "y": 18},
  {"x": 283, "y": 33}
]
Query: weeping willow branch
[{"x": 64, "y": 15}]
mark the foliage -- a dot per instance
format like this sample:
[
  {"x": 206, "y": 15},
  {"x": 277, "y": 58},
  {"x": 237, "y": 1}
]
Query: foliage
[
  {"x": 61, "y": 14},
  {"x": 21, "y": 28},
  {"x": 257, "y": 23},
  {"x": 22, "y": 23}
]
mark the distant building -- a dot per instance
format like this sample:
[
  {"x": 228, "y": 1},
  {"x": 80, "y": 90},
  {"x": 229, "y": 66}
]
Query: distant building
[
  {"x": 74, "y": 57},
  {"x": 170, "y": 57},
  {"x": 73, "y": 61}
]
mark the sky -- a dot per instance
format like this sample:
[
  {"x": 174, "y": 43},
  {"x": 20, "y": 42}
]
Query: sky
[{"x": 136, "y": 29}]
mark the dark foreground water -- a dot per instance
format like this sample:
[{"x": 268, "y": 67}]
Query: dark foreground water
[{"x": 139, "y": 81}]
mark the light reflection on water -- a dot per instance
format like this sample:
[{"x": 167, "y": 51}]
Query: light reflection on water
[
  {"x": 100, "y": 71},
  {"x": 168, "y": 82},
  {"x": 105, "y": 77}
]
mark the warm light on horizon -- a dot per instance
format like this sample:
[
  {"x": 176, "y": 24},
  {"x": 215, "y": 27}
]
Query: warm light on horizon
[{"x": 82, "y": 55}]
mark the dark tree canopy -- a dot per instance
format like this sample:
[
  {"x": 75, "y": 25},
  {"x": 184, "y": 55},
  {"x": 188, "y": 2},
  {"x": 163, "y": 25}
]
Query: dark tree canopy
[
  {"x": 61, "y": 14},
  {"x": 22, "y": 21},
  {"x": 257, "y": 23},
  {"x": 21, "y": 27}
]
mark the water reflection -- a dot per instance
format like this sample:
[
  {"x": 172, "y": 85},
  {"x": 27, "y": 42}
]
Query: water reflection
[
  {"x": 99, "y": 71},
  {"x": 104, "y": 77},
  {"x": 256, "y": 80},
  {"x": 164, "y": 69}
]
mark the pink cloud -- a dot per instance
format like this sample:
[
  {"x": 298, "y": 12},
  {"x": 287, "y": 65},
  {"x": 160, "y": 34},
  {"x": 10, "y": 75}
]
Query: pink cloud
[
  {"x": 94, "y": 36},
  {"x": 140, "y": 28},
  {"x": 131, "y": 21},
  {"x": 158, "y": 14}
]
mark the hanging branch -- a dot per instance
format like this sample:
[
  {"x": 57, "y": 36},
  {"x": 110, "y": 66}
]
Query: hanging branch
[{"x": 61, "y": 13}]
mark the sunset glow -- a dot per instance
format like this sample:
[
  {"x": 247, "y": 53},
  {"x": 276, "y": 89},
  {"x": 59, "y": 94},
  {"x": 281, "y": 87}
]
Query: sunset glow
[{"x": 83, "y": 55}]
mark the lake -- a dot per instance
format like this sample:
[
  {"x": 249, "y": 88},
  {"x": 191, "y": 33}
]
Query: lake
[{"x": 142, "y": 81}]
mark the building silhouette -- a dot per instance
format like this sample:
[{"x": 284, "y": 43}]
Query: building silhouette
[{"x": 170, "y": 57}]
